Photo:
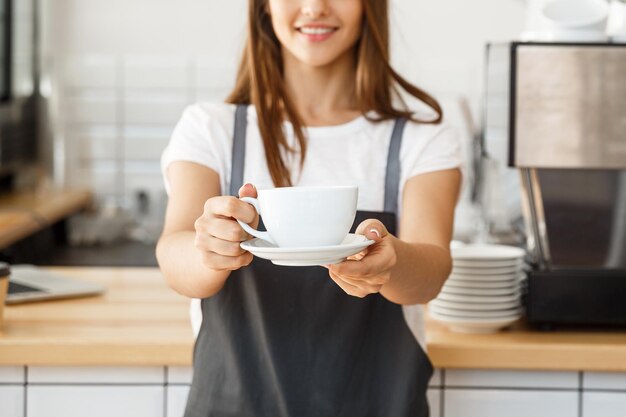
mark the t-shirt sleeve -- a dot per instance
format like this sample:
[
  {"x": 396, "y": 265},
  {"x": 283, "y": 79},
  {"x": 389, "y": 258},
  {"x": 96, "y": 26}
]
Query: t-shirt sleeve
[
  {"x": 191, "y": 141},
  {"x": 429, "y": 148}
]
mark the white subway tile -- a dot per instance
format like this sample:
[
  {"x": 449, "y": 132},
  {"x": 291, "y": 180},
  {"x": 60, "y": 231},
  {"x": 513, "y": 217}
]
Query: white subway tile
[
  {"x": 92, "y": 143},
  {"x": 179, "y": 374},
  {"x": 500, "y": 403},
  {"x": 96, "y": 110},
  {"x": 511, "y": 379},
  {"x": 211, "y": 94},
  {"x": 177, "y": 400},
  {"x": 91, "y": 71},
  {"x": 435, "y": 381},
  {"x": 100, "y": 176},
  {"x": 156, "y": 72},
  {"x": 12, "y": 374},
  {"x": 215, "y": 73},
  {"x": 434, "y": 400},
  {"x": 95, "y": 401},
  {"x": 604, "y": 380},
  {"x": 161, "y": 111},
  {"x": 96, "y": 375},
  {"x": 12, "y": 401},
  {"x": 604, "y": 404}
]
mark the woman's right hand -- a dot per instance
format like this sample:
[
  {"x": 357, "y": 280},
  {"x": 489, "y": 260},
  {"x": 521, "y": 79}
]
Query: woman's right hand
[{"x": 218, "y": 234}]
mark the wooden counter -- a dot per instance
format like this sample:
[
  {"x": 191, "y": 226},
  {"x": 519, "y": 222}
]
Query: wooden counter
[
  {"x": 24, "y": 213},
  {"x": 140, "y": 321}
]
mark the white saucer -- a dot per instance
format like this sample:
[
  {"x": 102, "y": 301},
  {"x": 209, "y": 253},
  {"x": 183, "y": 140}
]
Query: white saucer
[
  {"x": 479, "y": 292},
  {"x": 480, "y": 263},
  {"x": 487, "y": 252},
  {"x": 321, "y": 255},
  {"x": 485, "y": 278},
  {"x": 478, "y": 299},
  {"x": 482, "y": 307},
  {"x": 459, "y": 270},
  {"x": 509, "y": 285},
  {"x": 474, "y": 325},
  {"x": 473, "y": 314}
]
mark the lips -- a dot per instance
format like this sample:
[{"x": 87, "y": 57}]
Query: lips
[{"x": 317, "y": 33}]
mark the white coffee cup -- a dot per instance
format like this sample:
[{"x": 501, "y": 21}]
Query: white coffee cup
[{"x": 304, "y": 216}]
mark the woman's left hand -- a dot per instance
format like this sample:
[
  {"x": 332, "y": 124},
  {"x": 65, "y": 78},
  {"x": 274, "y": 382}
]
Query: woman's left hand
[{"x": 367, "y": 272}]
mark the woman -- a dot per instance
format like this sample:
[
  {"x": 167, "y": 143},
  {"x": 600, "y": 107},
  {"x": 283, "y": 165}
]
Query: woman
[{"x": 315, "y": 103}]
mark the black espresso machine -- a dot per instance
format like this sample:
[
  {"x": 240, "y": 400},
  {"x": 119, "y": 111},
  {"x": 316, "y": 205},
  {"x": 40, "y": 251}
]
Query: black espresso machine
[{"x": 562, "y": 107}]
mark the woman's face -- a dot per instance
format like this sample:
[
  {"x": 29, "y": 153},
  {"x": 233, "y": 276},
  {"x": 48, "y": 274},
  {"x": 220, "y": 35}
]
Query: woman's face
[{"x": 317, "y": 32}]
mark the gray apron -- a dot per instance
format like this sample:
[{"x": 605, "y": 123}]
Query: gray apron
[{"x": 282, "y": 341}]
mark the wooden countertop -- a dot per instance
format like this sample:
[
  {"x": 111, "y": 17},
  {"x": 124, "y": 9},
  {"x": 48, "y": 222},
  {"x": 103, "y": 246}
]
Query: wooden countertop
[
  {"x": 24, "y": 213},
  {"x": 140, "y": 321}
]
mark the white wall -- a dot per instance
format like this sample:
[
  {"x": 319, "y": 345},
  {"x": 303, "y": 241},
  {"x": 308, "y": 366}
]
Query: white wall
[{"x": 123, "y": 70}]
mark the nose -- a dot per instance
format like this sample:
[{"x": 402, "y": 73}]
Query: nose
[{"x": 314, "y": 8}]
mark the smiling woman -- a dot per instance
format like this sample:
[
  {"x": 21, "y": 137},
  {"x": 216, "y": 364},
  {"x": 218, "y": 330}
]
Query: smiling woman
[{"x": 316, "y": 104}]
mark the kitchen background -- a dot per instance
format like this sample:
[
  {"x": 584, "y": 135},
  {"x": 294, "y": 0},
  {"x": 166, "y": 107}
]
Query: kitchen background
[
  {"x": 116, "y": 75},
  {"x": 122, "y": 71}
]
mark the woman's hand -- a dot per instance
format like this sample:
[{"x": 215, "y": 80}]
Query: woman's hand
[
  {"x": 218, "y": 234},
  {"x": 367, "y": 272}
]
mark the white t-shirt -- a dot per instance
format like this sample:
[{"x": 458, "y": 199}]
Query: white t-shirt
[{"x": 354, "y": 153}]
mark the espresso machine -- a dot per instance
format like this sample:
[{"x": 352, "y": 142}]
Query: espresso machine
[{"x": 555, "y": 113}]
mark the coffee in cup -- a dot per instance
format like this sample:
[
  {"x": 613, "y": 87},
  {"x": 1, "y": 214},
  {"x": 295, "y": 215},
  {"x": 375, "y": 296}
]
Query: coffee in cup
[{"x": 304, "y": 216}]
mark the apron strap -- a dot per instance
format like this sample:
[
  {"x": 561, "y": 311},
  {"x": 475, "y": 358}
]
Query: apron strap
[
  {"x": 239, "y": 149},
  {"x": 392, "y": 177}
]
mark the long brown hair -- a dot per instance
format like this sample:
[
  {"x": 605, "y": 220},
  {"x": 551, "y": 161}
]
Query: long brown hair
[{"x": 260, "y": 82}]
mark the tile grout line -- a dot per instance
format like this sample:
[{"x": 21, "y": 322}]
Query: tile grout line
[
  {"x": 25, "y": 391},
  {"x": 442, "y": 396},
  {"x": 580, "y": 393}
]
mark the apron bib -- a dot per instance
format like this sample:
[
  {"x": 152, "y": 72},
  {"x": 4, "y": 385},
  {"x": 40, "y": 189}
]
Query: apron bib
[{"x": 282, "y": 341}]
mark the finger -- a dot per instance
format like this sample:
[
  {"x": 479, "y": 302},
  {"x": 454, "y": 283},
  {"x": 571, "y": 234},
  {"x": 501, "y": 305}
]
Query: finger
[
  {"x": 348, "y": 288},
  {"x": 248, "y": 190},
  {"x": 225, "y": 229},
  {"x": 358, "y": 256},
  {"x": 372, "y": 229},
  {"x": 224, "y": 247},
  {"x": 231, "y": 207},
  {"x": 226, "y": 263},
  {"x": 369, "y": 266},
  {"x": 371, "y": 285}
]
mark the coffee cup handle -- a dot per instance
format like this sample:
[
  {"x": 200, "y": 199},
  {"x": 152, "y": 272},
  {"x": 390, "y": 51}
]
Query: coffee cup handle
[{"x": 256, "y": 233}]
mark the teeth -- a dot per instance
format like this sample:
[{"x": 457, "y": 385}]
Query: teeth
[{"x": 315, "y": 31}]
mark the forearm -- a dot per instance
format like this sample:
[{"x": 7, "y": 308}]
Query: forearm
[
  {"x": 183, "y": 268},
  {"x": 419, "y": 273}
]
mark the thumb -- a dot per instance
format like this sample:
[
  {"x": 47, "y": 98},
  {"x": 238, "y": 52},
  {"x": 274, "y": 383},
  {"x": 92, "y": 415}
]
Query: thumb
[
  {"x": 248, "y": 190},
  {"x": 372, "y": 229}
]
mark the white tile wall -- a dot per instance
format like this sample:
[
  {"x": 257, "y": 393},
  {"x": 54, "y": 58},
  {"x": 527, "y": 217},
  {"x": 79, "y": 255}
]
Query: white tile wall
[
  {"x": 179, "y": 374},
  {"x": 11, "y": 401},
  {"x": 12, "y": 374},
  {"x": 604, "y": 404},
  {"x": 95, "y": 401},
  {"x": 508, "y": 403},
  {"x": 96, "y": 375},
  {"x": 434, "y": 398},
  {"x": 511, "y": 379},
  {"x": 89, "y": 71},
  {"x": 436, "y": 380},
  {"x": 176, "y": 400},
  {"x": 156, "y": 72},
  {"x": 604, "y": 380}
]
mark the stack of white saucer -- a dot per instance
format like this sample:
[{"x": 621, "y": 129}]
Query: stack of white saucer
[{"x": 483, "y": 293}]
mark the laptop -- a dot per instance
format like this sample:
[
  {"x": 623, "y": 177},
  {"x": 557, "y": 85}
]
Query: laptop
[{"x": 30, "y": 283}]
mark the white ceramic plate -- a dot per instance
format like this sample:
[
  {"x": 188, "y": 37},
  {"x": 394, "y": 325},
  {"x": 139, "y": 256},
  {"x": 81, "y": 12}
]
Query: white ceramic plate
[
  {"x": 478, "y": 299},
  {"x": 463, "y": 270},
  {"x": 481, "y": 263},
  {"x": 507, "y": 291},
  {"x": 322, "y": 255},
  {"x": 485, "y": 278},
  {"x": 475, "y": 325},
  {"x": 453, "y": 312},
  {"x": 509, "y": 285},
  {"x": 487, "y": 252},
  {"x": 478, "y": 307}
]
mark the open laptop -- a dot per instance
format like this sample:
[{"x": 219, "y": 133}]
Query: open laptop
[{"x": 30, "y": 283}]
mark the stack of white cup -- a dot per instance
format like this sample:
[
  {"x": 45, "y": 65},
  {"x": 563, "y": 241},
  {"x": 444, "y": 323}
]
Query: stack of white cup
[{"x": 483, "y": 293}]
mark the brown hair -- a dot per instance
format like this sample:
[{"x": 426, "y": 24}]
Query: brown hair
[{"x": 260, "y": 82}]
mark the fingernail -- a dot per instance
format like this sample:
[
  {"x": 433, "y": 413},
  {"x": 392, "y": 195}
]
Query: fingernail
[{"x": 376, "y": 232}]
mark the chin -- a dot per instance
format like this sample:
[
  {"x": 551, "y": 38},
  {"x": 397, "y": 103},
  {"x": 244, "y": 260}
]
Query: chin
[{"x": 317, "y": 60}]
